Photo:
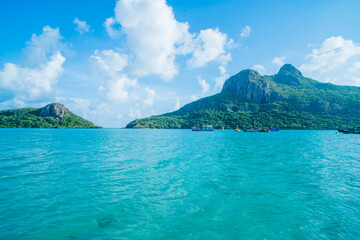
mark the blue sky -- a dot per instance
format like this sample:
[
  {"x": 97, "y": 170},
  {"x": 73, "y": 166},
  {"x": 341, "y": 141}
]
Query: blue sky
[{"x": 115, "y": 61}]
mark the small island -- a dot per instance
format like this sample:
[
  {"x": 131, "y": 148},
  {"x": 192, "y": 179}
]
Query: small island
[{"x": 54, "y": 115}]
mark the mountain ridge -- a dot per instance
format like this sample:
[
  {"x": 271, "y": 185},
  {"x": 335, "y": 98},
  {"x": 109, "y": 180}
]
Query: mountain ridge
[{"x": 286, "y": 99}]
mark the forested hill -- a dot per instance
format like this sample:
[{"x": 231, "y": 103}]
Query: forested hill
[
  {"x": 287, "y": 99},
  {"x": 54, "y": 115}
]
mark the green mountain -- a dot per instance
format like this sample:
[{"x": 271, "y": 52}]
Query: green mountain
[
  {"x": 54, "y": 115},
  {"x": 287, "y": 99}
]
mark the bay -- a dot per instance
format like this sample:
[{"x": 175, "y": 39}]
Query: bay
[{"x": 178, "y": 184}]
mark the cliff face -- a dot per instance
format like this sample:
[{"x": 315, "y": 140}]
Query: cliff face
[
  {"x": 250, "y": 85},
  {"x": 54, "y": 110}
]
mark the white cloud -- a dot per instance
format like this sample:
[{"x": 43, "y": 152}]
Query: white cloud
[
  {"x": 13, "y": 103},
  {"x": 279, "y": 61},
  {"x": 81, "y": 26},
  {"x": 210, "y": 45},
  {"x": 111, "y": 65},
  {"x": 31, "y": 83},
  {"x": 109, "y": 26},
  {"x": 135, "y": 113},
  {"x": 204, "y": 85},
  {"x": 153, "y": 34},
  {"x": 337, "y": 60},
  {"x": 333, "y": 52},
  {"x": 177, "y": 104},
  {"x": 149, "y": 101},
  {"x": 245, "y": 32},
  {"x": 231, "y": 44},
  {"x": 355, "y": 67},
  {"x": 156, "y": 38},
  {"x": 219, "y": 81},
  {"x": 194, "y": 98},
  {"x": 260, "y": 68},
  {"x": 118, "y": 89},
  {"x": 41, "y": 47},
  {"x": 36, "y": 80},
  {"x": 110, "y": 62}
]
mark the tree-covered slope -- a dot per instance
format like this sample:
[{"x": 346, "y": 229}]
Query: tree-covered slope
[
  {"x": 286, "y": 99},
  {"x": 51, "y": 116}
]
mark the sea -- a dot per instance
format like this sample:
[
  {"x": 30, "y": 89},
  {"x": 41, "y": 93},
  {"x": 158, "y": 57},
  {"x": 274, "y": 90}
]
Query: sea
[{"x": 78, "y": 184}]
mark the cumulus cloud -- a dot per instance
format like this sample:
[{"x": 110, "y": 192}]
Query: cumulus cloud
[
  {"x": 177, "y": 104},
  {"x": 210, "y": 45},
  {"x": 194, "y": 97},
  {"x": 111, "y": 64},
  {"x": 204, "y": 85},
  {"x": 41, "y": 47},
  {"x": 109, "y": 26},
  {"x": 260, "y": 68},
  {"x": 81, "y": 26},
  {"x": 219, "y": 81},
  {"x": 333, "y": 52},
  {"x": 153, "y": 34},
  {"x": 149, "y": 100},
  {"x": 156, "y": 38},
  {"x": 355, "y": 67},
  {"x": 279, "y": 61},
  {"x": 109, "y": 61},
  {"x": 119, "y": 87},
  {"x": 34, "y": 81},
  {"x": 135, "y": 113},
  {"x": 29, "y": 84},
  {"x": 337, "y": 60},
  {"x": 245, "y": 33}
]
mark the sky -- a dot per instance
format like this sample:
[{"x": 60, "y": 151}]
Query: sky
[{"x": 114, "y": 61}]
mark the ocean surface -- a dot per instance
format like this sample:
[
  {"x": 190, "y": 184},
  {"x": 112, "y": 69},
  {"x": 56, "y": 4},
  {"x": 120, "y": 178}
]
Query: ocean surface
[{"x": 178, "y": 184}]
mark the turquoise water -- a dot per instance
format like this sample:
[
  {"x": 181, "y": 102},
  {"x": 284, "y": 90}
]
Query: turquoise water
[{"x": 178, "y": 184}]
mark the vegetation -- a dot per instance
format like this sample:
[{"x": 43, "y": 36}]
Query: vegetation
[
  {"x": 30, "y": 118},
  {"x": 286, "y": 99}
]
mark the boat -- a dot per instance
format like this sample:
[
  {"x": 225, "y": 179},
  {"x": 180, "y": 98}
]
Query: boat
[
  {"x": 250, "y": 130},
  {"x": 237, "y": 130},
  {"x": 264, "y": 130},
  {"x": 355, "y": 130},
  {"x": 204, "y": 128},
  {"x": 274, "y": 129}
]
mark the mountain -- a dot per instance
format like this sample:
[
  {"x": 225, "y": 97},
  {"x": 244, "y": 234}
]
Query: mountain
[
  {"x": 54, "y": 115},
  {"x": 287, "y": 99}
]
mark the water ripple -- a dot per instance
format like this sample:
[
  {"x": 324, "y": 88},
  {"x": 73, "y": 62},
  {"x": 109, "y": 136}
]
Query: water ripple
[{"x": 176, "y": 184}]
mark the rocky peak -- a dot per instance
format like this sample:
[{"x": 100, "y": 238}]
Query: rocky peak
[
  {"x": 249, "y": 74},
  {"x": 245, "y": 76},
  {"x": 54, "y": 110},
  {"x": 290, "y": 75},
  {"x": 249, "y": 84},
  {"x": 288, "y": 68}
]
